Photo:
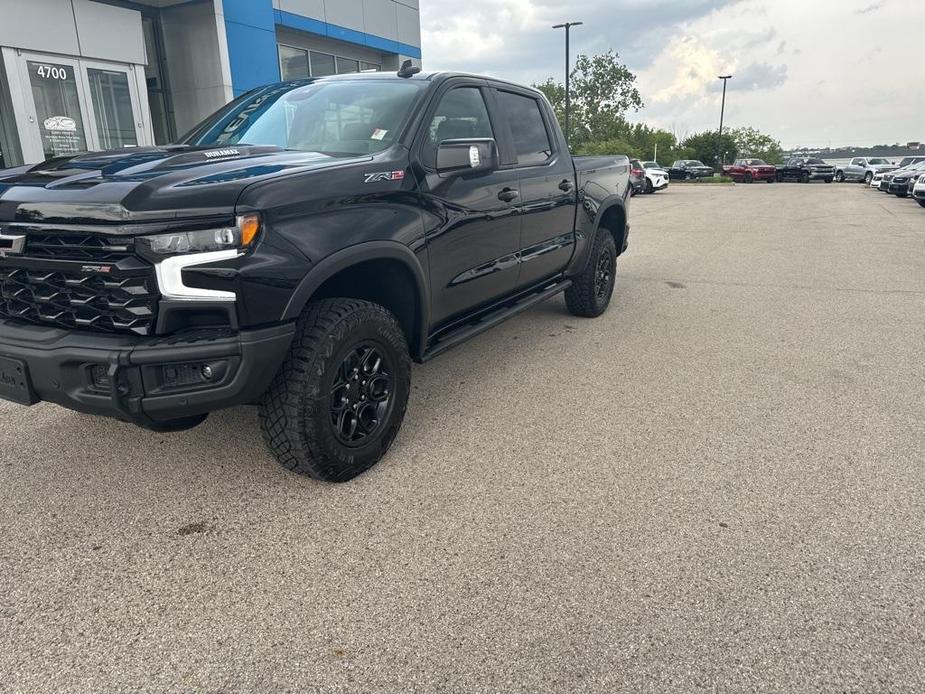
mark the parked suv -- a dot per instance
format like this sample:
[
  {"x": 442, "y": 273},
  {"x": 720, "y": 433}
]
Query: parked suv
[
  {"x": 298, "y": 250},
  {"x": 656, "y": 177}
]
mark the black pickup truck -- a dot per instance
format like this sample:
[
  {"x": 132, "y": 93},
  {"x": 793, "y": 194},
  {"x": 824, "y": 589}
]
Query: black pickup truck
[
  {"x": 296, "y": 251},
  {"x": 806, "y": 169}
]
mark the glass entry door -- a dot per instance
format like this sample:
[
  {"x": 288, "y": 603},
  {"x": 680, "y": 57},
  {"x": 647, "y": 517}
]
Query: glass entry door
[
  {"x": 78, "y": 105},
  {"x": 60, "y": 114}
]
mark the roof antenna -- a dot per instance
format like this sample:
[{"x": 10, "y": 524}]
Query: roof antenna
[{"x": 407, "y": 69}]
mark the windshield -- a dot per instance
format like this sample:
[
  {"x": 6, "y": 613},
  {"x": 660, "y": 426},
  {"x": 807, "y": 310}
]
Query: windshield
[
  {"x": 815, "y": 161},
  {"x": 754, "y": 162},
  {"x": 879, "y": 161},
  {"x": 651, "y": 165},
  {"x": 334, "y": 117},
  {"x": 693, "y": 162}
]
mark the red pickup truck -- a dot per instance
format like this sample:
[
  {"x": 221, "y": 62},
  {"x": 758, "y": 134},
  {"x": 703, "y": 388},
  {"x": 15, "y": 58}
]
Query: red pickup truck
[{"x": 750, "y": 170}]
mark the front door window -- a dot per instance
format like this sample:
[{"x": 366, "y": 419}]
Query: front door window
[{"x": 57, "y": 106}]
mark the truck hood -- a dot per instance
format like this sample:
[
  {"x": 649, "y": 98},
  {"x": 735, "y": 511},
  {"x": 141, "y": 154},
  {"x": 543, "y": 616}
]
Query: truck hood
[{"x": 147, "y": 184}]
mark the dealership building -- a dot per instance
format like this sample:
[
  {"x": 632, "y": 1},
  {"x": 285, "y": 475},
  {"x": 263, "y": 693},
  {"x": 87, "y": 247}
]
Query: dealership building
[{"x": 100, "y": 74}]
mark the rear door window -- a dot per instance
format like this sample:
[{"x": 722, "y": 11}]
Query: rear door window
[{"x": 532, "y": 143}]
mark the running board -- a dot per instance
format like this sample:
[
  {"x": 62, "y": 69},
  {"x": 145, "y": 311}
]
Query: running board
[{"x": 492, "y": 319}]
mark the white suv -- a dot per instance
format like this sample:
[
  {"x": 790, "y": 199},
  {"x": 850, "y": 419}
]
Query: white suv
[{"x": 656, "y": 177}]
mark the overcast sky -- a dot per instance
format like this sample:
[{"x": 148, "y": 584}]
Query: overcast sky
[{"x": 809, "y": 72}]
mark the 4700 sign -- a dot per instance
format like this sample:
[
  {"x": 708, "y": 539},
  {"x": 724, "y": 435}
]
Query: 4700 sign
[{"x": 51, "y": 72}]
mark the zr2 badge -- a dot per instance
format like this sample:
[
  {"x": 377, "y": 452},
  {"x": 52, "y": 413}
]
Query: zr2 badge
[{"x": 384, "y": 176}]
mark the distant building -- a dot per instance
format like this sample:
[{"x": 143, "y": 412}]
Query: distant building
[{"x": 914, "y": 145}]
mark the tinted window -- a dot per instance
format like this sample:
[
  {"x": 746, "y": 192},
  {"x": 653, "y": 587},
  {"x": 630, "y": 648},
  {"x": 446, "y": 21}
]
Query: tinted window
[
  {"x": 531, "y": 140},
  {"x": 461, "y": 115}
]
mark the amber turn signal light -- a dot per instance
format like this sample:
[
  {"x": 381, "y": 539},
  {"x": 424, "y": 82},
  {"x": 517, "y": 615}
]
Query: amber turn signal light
[{"x": 250, "y": 227}]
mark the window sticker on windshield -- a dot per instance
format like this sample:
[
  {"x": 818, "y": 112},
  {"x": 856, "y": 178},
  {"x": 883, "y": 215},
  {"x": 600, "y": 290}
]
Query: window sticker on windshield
[{"x": 378, "y": 134}]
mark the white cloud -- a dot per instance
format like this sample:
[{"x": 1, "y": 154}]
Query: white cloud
[{"x": 807, "y": 72}]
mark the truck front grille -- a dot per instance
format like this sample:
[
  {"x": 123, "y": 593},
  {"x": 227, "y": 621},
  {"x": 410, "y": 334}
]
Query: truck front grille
[
  {"x": 85, "y": 247},
  {"x": 74, "y": 300}
]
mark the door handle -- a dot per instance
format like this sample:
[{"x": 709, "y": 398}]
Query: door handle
[
  {"x": 508, "y": 194},
  {"x": 566, "y": 186}
]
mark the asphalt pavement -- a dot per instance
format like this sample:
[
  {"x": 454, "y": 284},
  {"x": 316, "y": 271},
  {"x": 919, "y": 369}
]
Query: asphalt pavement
[{"x": 719, "y": 486}]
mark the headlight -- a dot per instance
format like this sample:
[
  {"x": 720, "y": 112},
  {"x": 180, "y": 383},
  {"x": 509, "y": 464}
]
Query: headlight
[{"x": 240, "y": 236}]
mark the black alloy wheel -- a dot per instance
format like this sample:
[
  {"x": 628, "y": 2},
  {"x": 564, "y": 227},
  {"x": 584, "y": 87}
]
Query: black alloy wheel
[
  {"x": 591, "y": 291},
  {"x": 604, "y": 276},
  {"x": 361, "y": 394},
  {"x": 339, "y": 398}
]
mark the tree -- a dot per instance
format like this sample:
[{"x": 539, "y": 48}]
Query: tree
[
  {"x": 705, "y": 145},
  {"x": 752, "y": 143},
  {"x": 602, "y": 91}
]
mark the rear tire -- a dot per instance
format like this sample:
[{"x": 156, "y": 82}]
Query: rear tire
[
  {"x": 339, "y": 399},
  {"x": 921, "y": 202},
  {"x": 590, "y": 293},
  {"x": 828, "y": 180}
]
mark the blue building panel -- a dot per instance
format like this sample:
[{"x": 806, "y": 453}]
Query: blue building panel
[
  {"x": 250, "y": 27},
  {"x": 333, "y": 31}
]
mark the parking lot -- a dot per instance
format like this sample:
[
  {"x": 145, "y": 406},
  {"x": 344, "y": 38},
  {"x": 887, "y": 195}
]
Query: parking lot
[{"x": 718, "y": 486}]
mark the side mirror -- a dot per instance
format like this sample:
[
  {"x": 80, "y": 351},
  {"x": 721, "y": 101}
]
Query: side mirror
[{"x": 467, "y": 156}]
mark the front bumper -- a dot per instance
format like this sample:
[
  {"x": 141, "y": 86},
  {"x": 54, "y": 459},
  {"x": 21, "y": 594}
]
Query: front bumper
[
  {"x": 897, "y": 188},
  {"x": 147, "y": 381}
]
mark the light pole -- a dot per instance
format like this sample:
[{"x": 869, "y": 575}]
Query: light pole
[
  {"x": 567, "y": 26},
  {"x": 722, "y": 109}
]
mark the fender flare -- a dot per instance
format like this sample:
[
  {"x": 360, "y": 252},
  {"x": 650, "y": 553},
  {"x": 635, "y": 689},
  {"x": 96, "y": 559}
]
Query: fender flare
[
  {"x": 354, "y": 255},
  {"x": 608, "y": 204}
]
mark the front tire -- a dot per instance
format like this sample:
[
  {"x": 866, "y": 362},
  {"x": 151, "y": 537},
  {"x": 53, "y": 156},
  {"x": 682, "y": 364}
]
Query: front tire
[
  {"x": 840, "y": 176},
  {"x": 649, "y": 188},
  {"x": 804, "y": 178},
  {"x": 590, "y": 293},
  {"x": 339, "y": 399},
  {"x": 921, "y": 202},
  {"x": 868, "y": 177},
  {"x": 749, "y": 178}
]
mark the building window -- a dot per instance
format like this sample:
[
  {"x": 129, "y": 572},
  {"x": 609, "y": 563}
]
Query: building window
[
  {"x": 347, "y": 65},
  {"x": 293, "y": 63},
  {"x": 299, "y": 63},
  {"x": 322, "y": 64}
]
